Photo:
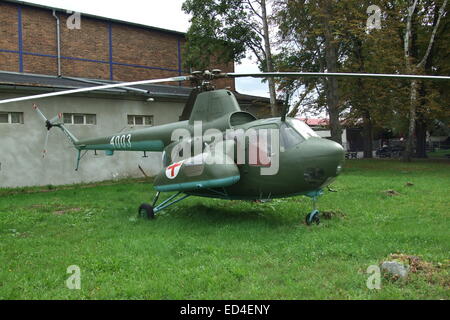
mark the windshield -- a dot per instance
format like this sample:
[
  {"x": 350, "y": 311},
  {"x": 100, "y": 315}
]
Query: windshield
[
  {"x": 290, "y": 137},
  {"x": 302, "y": 128}
]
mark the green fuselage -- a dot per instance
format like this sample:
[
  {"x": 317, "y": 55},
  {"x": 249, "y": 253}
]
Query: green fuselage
[
  {"x": 306, "y": 162},
  {"x": 304, "y": 167}
]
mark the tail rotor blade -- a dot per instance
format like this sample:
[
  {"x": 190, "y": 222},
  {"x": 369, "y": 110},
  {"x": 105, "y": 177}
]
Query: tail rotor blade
[
  {"x": 44, "y": 152},
  {"x": 58, "y": 117},
  {"x": 35, "y": 107}
]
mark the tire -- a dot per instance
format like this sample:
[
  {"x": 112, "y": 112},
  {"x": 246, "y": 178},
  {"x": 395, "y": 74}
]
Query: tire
[
  {"x": 312, "y": 217},
  {"x": 146, "y": 211}
]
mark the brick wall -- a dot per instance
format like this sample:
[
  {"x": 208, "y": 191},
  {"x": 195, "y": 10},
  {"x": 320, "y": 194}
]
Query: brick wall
[
  {"x": 100, "y": 49},
  {"x": 8, "y": 38}
]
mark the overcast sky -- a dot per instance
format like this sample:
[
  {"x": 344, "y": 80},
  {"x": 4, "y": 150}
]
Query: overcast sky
[{"x": 163, "y": 14}]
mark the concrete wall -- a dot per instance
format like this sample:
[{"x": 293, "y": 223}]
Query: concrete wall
[{"x": 21, "y": 145}]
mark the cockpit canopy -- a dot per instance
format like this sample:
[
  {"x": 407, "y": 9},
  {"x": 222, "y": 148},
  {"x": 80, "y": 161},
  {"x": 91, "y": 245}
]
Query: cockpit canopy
[{"x": 294, "y": 132}]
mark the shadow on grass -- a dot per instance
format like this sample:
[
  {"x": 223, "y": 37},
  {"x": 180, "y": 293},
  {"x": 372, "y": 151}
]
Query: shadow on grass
[{"x": 240, "y": 213}]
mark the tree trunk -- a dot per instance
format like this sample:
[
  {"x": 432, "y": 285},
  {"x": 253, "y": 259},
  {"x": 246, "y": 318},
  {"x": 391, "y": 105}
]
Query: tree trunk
[
  {"x": 367, "y": 135},
  {"x": 269, "y": 63},
  {"x": 421, "y": 139},
  {"x": 332, "y": 87},
  {"x": 412, "y": 122}
]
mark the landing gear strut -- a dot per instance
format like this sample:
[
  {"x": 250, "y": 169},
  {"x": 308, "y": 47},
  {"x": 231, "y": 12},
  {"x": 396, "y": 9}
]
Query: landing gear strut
[
  {"x": 149, "y": 211},
  {"x": 313, "y": 216}
]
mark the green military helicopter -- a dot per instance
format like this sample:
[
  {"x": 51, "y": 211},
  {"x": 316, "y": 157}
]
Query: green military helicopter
[{"x": 223, "y": 152}]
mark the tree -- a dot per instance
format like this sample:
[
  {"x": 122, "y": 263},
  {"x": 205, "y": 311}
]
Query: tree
[
  {"x": 416, "y": 65},
  {"x": 311, "y": 42},
  {"x": 330, "y": 35},
  {"x": 369, "y": 103},
  {"x": 229, "y": 29}
]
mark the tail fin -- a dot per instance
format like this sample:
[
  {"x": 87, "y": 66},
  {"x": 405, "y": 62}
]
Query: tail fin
[{"x": 56, "y": 122}]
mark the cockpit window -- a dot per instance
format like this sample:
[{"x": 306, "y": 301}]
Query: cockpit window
[
  {"x": 290, "y": 137},
  {"x": 303, "y": 129}
]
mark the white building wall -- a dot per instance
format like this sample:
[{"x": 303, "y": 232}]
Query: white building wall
[{"x": 21, "y": 145}]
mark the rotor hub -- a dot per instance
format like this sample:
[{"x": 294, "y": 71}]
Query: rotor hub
[{"x": 202, "y": 79}]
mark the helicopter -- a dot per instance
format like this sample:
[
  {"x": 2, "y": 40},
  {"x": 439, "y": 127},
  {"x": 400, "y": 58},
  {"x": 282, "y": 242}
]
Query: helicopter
[{"x": 217, "y": 150}]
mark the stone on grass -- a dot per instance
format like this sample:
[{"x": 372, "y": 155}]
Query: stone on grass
[{"x": 395, "y": 268}]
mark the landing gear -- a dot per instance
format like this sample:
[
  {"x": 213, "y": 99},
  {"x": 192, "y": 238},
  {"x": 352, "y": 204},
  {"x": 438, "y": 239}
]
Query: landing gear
[
  {"x": 149, "y": 211},
  {"x": 146, "y": 211},
  {"x": 313, "y": 216}
]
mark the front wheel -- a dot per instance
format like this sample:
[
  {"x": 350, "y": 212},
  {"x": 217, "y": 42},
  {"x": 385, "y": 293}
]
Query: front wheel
[
  {"x": 146, "y": 210},
  {"x": 312, "y": 217}
]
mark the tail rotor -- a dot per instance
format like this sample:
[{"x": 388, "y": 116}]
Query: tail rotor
[
  {"x": 49, "y": 124},
  {"x": 44, "y": 152}
]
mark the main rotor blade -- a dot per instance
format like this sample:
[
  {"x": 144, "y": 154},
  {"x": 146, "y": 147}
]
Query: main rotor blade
[
  {"x": 96, "y": 88},
  {"x": 342, "y": 75}
]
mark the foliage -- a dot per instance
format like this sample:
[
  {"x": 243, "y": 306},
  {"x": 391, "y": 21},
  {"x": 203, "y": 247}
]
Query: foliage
[
  {"x": 225, "y": 31},
  {"x": 382, "y": 103},
  {"x": 222, "y": 29}
]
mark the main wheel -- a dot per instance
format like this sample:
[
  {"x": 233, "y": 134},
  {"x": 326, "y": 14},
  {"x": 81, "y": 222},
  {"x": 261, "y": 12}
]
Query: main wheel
[
  {"x": 312, "y": 217},
  {"x": 146, "y": 210}
]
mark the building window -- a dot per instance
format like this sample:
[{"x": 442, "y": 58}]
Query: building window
[
  {"x": 80, "y": 118},
  {"x": 140, "y": 120},
  {"x": 11, "y": 117}
]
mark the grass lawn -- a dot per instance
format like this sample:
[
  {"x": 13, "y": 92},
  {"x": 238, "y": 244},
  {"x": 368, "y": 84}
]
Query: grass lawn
[
  {"x": 212, "y": 249},
  {"x": 440, "y": 154}
]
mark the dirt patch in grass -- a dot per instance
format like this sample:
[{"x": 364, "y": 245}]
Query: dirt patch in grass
[
  {"x": 57, "y": 209},
  {"x": 332, "y": 214},
  {"x": 38, "y": 206},
  {"x": 64, "y": 211},
  {"x": 433, "y": 273},
  {"x": 391, "y": 193}
]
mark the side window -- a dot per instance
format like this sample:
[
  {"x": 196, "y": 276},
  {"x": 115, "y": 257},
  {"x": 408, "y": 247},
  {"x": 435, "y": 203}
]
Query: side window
[
  {"x": 139, "y": 120},
  {"x": 290, "y": 137},
  {"x": 165, "y": 159},
  {"x": 4, "y": 118},
  {"x": 259, "y": 147},
  {"x": 11, "y": 117},
  {"x": 80, "y": 119}
]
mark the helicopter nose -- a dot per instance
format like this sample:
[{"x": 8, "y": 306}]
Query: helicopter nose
[
  {"x": 334, "y": 153},
  {"x": 324, "y": 155},
  {"x": 332, "y": 150},
  {"x": 320, "y": 148}
]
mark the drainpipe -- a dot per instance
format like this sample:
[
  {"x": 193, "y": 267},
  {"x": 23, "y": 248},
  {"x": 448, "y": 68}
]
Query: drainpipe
[{"x": 58, "y": 40}]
